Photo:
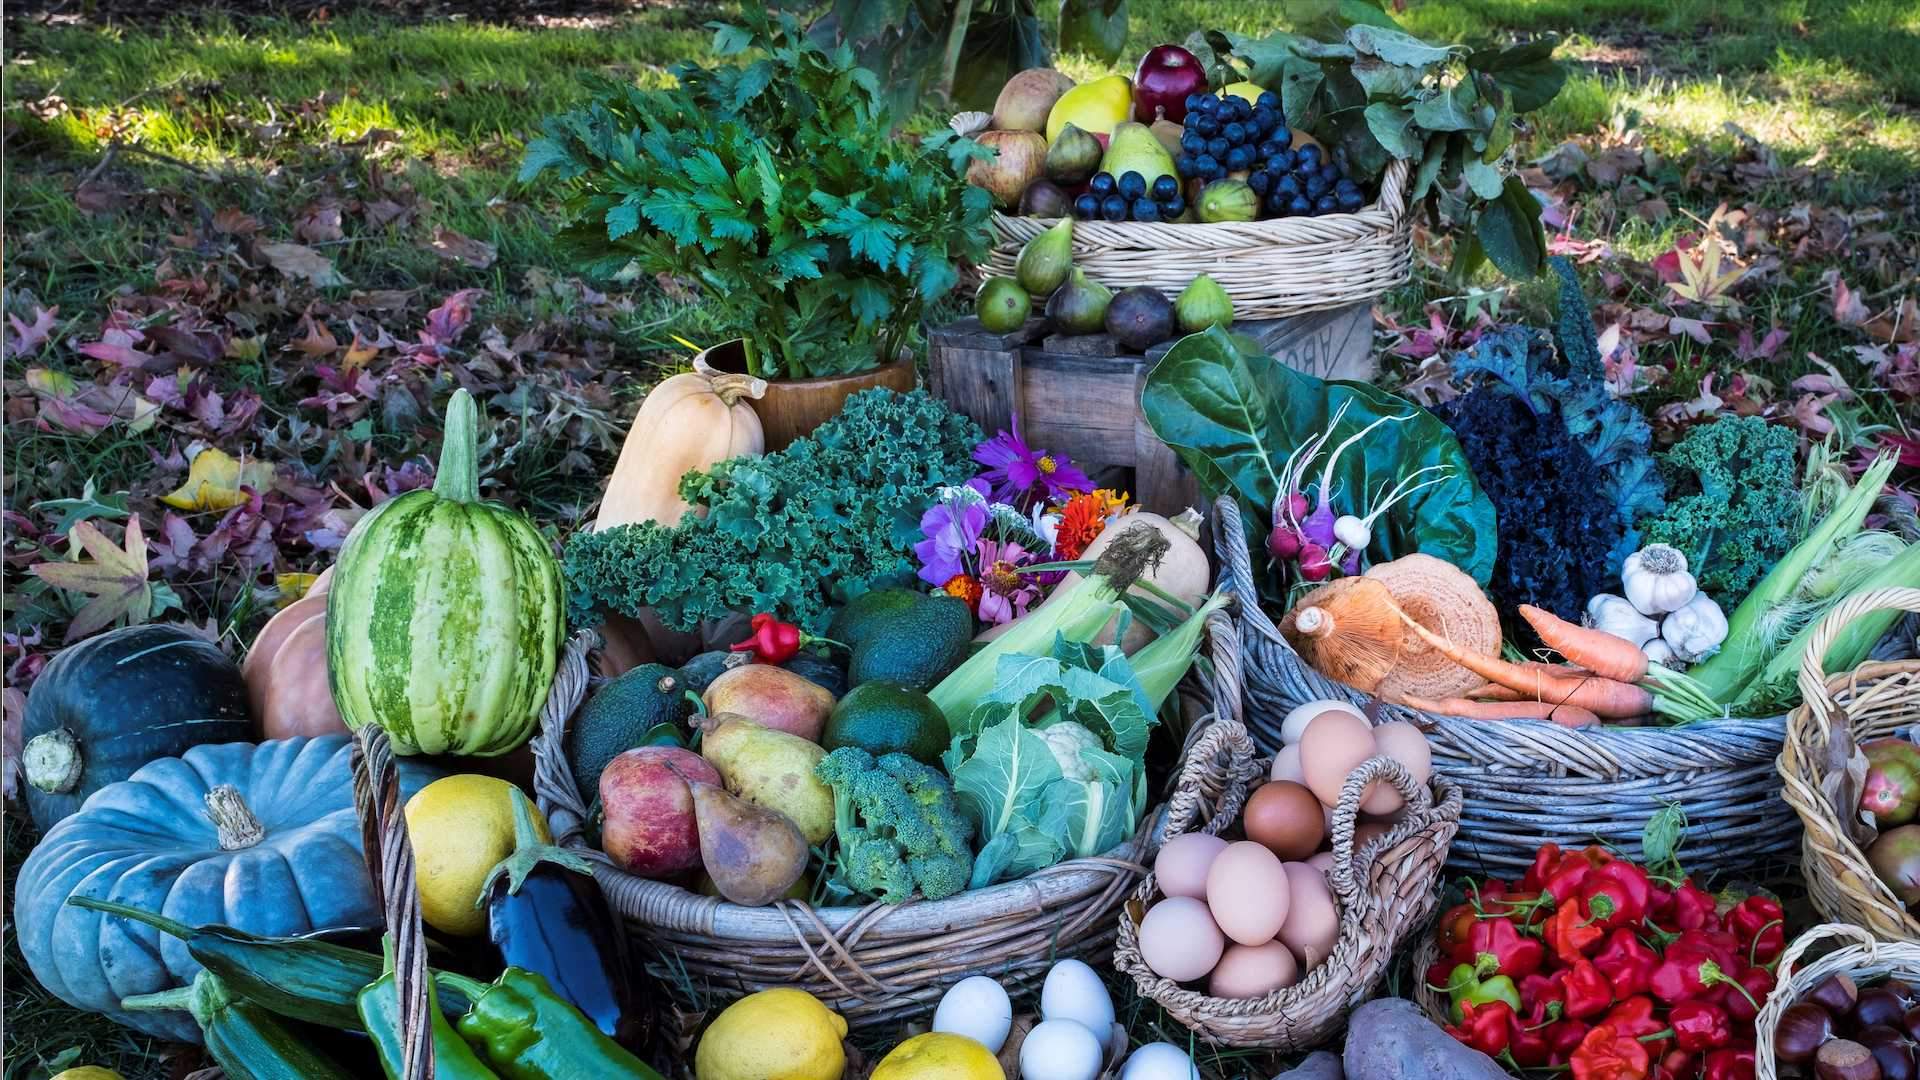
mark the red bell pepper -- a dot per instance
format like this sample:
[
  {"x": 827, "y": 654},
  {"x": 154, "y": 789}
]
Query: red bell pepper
[
  {"x": 1588, "y": 992},
  {"x": 1499, "y": 949},
  {"x": 1691, "y": 967},
  {"x": 1487, "y": 1028},
  {"x": 1699, "y": 1026},
  {"x": 1693, "y": 908},
  {"x": 1610, "y": 1054},
  {"x": 1570, "y": 935},
  {"x": 1758, "y": 983},
  {"x": 1676, "y": 1065},
  {"x": 1541, "y": 993},
  {"x": 1545, "y": 862},
  {"x": 1659, "y": 901},
  {"x": 1626, "y": 962},
  {"x": 1456, "y": 926},
  {"x": 1730, "y": 1063},
  {"x": 1634, "y": 1016},
  {"x": 776, "y": 642},
  {"x": 1565, "y": 1037},
  {"x": 1616, "y": 894},
  {"x": 1758, "y": 924}
]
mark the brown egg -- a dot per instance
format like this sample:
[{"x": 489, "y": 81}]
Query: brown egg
[
  {"x": 1407, "y": 745},
  {"x": 1334, "y": 744},
  {"x": 1247, "y": 893},
  {"x": 1251, "y": 971},
  {"x": 1286, "y": 818},
  {"x": 1313, "y": 919}
]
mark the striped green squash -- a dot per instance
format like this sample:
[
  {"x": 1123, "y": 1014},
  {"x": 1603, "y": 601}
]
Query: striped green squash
[{"x": 445, "y": 617}]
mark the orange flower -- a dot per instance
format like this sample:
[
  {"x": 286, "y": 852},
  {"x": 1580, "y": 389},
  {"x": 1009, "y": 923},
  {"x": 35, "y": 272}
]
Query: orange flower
[
  {"x": 1082, "y": 518},
  {"x": 964, "y": 587}
]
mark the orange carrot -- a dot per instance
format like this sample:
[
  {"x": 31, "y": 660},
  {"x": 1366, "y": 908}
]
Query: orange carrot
[
  {"x": 1564, "y": 715},
  {"x": 1605, "y": 697},
  {"x": 1596, "y": 650},
  {"x": 1493, "y": 691}
]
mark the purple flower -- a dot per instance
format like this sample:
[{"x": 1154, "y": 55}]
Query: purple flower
[
  {"x": 1005, "y": 592},
  {"x": 1017, "y": 472},
  {"x": 952, "y": 527}
]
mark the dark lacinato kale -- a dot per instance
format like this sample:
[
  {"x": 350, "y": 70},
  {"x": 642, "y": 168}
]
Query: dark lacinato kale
[
  {"x": 793, "y": 532},
  {"x": 1556, "y": 528}
]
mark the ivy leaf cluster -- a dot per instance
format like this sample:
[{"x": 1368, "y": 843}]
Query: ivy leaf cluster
[
  {"x": 779, "y": 188},
  {"x": 1348, "y": 73},
  {"x": 795, "y": 532}
]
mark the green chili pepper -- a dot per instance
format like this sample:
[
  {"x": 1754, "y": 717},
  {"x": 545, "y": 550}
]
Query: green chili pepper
[
  {"x": 528, "y": 1032},
  {"x": 247, "y": 1041},
  {"x": 380, "y": 1011},
  {"x": 1464, "y": 984}
]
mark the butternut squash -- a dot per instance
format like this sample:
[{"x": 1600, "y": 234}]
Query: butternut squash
[
  {"x": 690, "y": 421},
  {"x": 257, "y": 668}
]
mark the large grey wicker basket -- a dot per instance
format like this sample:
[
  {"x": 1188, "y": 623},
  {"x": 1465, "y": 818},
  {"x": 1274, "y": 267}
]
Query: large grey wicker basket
[{"x": 1527, "y": 782}]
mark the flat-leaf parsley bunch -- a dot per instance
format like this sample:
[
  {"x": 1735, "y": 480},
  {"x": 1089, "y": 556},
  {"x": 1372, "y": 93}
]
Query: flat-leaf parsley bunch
[{"x": 780, "y": 189}]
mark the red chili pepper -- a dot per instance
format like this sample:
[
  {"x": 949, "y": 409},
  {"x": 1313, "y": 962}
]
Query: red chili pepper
[
  {"x": 1627, "y": 962},
  {"x": 1545, "y": 862},
  {"x": 1541, "y": 993},
  {"x": 1456, "y": 926},
  {"x": 1486, "y": 1028},
  {"x": 1730, "y": 1063},
  {"x": 1499, "y": 949},
  {"x": 1588, "y": 992},
  {"x": 1608, "y": 1054},
  {"x": 1529, "y": 1045},
  {"x": 1675, "y": 1065},
  {"x": 1616, "y": 894},
  {"x": 1699, "y": 1026},
  {"x": 1692, "y": 967},
  {"x": 1758, "y": 923},
  {"x": 1565, "y": 1037},
  {"x": 773, "y": 642},
  {"x": 1569, "y": 934},
  {"x": 1758, "y": 983},
  {"x": 1659, "y": 901},
  {"x": 1634, "y": 1016},
  {"x": 1693, "y": 908}
]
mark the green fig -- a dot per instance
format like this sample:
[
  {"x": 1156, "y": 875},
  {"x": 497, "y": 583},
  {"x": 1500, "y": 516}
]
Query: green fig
[
  {"x": 1003, "y": 306},
  {"x": 1228, "y": 200},
  {"x": 1079, "y": 306},
  {"x": 1073, "y": 157},
  {"x": 1044, "y": 262},
  {"x": 1203, "y": 304}
]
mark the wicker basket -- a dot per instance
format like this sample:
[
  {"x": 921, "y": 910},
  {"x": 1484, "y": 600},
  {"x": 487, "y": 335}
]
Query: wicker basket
[
  {"x": 1384, "y": 891},
  {"x": 1836, "y": 715},
  {"x": 872, "y": 964},
  {"x": 1272, "y": 269},
  {"x": 1527, "y": 782},
  {"x": 1860, "y": 955}
]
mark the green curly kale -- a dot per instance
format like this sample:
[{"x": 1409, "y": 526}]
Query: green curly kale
[
  {"x": 897, "y": 826},
  {"x": 1738, "y": 503},
  {"x": 794, "y": 532}
]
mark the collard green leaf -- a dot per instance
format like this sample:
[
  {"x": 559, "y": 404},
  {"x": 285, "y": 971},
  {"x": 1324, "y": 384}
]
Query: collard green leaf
[
  {"x": 1510, "y": 232},
  {"x": 1449, "y": 110},
  {"x": 1233, "y": 414},
  {"x": 1395, "y": 46},
  {"x": 1392, "y": 125},
  {"x": 1526, "y": 72}
]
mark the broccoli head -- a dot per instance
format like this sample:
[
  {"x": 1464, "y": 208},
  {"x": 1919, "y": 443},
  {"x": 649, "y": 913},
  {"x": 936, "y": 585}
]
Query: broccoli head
[
  {"x": 897, "y": 826},
  {"x": 1737, "y": 506}
]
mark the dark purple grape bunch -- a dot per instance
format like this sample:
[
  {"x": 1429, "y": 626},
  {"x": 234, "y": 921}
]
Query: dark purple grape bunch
[
  {"x": 1230, "y": 134},
  {"x": 1129, "y": 197}
]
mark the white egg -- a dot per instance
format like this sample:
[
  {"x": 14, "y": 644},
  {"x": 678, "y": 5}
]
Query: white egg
[
  {"x": 1073, "y": 992},
  {"x": 1060, "y": 1050},
  {"x": 1295, "y": 725},
  {"x": 978, "y": 1008},
  {"x": 1159, "y": 1061}
]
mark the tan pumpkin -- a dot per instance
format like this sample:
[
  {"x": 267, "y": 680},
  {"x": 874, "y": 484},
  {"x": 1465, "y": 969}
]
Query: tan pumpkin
[
  {"x": 259, "y": 662},
  {"x": 299, "y": 699},
  {"x": 691, "y": 421}
]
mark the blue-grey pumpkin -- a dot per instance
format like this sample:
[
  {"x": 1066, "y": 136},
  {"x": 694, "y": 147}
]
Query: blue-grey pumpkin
[{"x": 260, "y": 837}]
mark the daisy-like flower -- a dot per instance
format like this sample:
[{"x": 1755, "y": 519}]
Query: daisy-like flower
[
  {"x": 1082, "y": 519},
  {"x": 1005, "y": 592},
  {"x": 952, "y": 527},
  {"x": 1019, "y": 474}
]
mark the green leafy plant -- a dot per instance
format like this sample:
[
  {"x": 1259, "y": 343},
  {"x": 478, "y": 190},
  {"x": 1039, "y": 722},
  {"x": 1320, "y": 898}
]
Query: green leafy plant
[
  {"x": 779, "y": 188},
  {"x": 1735, "y": 504},
  {"x": 793, "y": 532},
  {"x": 1345, "y": 71}
]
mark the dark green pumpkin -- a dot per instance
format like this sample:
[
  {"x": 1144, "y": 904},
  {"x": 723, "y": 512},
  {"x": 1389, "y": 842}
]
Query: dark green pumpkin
[{"x": 112, "y": 703}]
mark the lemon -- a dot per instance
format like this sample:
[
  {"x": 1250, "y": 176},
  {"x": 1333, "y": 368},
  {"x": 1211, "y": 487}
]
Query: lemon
[
  {"x": 1250, "y": 91},
  {"x": 461, "y": 827},
  {"x": 773, "y": 1035},
  {"x": 89, "y": 1072},
  {"x": 939, "y": 1055}
]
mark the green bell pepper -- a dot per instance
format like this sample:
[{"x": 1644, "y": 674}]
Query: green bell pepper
[
  {"x": 379, "y": 1006},
  {"x": 528, "y": 1032},
  {"x": 1465, "y": 984}
]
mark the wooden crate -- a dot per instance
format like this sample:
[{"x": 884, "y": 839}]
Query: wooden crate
[{"x": 1080, "y": 396}]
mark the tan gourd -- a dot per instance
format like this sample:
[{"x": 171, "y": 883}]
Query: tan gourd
[
  {"x": 257, "y": 668},
  {"x": 690, "y": 421},
  {"x": 299, "y": 698}
]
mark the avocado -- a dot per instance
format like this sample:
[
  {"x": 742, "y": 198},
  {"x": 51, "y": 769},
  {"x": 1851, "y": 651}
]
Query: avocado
[
  {"x": 914, "y": 647},
  {"x": 882, "y": 719},
  {"x": 698, "y": 673},
  {"x": 620, "y": 716},
  {"x": 818, "y": 670},
  {"x": 850, "y": 624}
]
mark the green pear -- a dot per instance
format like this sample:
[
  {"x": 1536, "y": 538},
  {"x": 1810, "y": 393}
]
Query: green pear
[
  {"x": 771, "y": 768},
  {"x": 1135, "y": 148}
]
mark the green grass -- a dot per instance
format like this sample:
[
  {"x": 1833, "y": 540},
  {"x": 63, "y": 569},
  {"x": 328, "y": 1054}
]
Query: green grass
[{"x": 267, "y": 117}]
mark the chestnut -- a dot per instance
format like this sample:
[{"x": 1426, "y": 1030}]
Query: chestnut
[
  {"x": 1844, "y": 1059},
  {"x": 1836, "y": 993},
  {"x": 1911, "y": 1024},
  {"x": 1802, "y": 1028},
  {"x": 1903, "y": 990},
  {"x": 1892, "y": 1051},
  {"x": 1879, "y": 1005}
]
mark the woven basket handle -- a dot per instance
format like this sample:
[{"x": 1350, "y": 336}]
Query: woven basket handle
[
  {"x": 1819, "y": 935},
  {"x": 1813, "y": 676},
  {"x": 1347, "y": 881},
  {"x": 564, "y": 804},
  {"x": 389, "y": 854},
  {"x": 1219, "y": 760},
  {"x": 1393, "y": 190}
]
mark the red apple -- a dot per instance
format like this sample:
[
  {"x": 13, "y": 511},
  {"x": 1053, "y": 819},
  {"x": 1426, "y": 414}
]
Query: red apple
[
  {"x": 1167, "y": 75},
  {"x": 649, "y": 826}
]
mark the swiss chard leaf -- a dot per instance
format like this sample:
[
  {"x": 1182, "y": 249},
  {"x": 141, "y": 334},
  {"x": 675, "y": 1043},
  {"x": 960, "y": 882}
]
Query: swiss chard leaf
[{"x": 1234, "y": 414}]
